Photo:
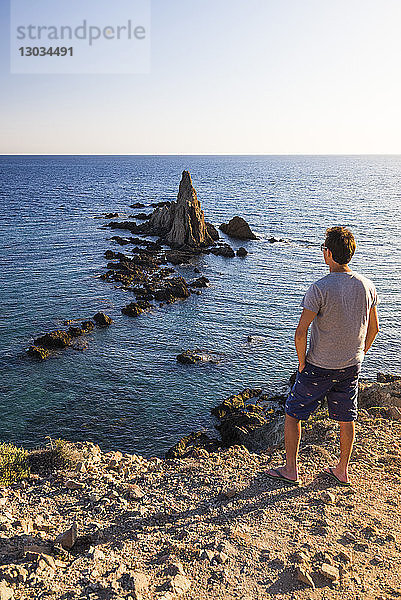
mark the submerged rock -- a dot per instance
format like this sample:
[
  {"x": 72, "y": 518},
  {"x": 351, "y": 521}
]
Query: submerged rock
[
  {"x": 191, "y": 357},
  {"x": 238, "y": 228},
  {"x": 182, "y": 222}
]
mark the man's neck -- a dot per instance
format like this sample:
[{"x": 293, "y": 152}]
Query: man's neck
[{"x": 339, "y": 269}]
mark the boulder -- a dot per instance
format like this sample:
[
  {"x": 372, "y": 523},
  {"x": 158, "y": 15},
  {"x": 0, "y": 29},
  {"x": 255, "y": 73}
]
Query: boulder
[
  {"x": 242, "y": 251},
  {"x": 137, "y": 205},
  {"x": 182, "y": 222},
  {"x": 102, "y": 320},
  {"x": 238, "y": 228}
]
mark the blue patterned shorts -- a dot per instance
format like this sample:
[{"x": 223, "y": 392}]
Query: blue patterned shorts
[{"x": 313, "y": 384}]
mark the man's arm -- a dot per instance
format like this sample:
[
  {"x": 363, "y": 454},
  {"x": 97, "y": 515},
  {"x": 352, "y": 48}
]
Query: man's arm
[
  {"x": 373, "y": 328},
  {"x": 301, "y": 335}
]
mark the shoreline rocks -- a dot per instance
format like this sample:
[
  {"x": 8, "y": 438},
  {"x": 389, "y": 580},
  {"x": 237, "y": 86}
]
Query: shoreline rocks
[{"x": 44, "y": 345}]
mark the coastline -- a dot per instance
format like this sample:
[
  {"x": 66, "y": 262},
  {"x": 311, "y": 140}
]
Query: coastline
[{"x": 114, "y": 525}]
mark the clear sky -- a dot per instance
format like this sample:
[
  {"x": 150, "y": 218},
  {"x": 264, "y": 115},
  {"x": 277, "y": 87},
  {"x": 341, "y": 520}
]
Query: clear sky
[{"x": 227, "y": 76}]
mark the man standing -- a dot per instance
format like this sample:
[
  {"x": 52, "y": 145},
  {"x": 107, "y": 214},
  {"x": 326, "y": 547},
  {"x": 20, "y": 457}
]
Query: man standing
[{"x": 341, "y": 309}]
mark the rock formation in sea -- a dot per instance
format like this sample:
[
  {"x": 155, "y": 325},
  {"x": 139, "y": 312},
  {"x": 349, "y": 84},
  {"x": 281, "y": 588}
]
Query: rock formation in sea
[
  {"x": 182, "y": 223},
  {"x": 238, "y": 228}
]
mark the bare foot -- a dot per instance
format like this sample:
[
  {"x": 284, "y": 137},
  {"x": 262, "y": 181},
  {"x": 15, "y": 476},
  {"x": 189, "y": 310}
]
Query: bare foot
[{"x": 285, "y": 472}]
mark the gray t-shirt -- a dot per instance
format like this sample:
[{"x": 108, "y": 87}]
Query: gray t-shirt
[{"x": 342, "y": 302}]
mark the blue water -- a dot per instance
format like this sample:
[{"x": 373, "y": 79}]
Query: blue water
[{"x": 127, "y": 391}]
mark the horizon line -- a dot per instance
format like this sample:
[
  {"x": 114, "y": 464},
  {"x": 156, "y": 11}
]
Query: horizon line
[{"x": 204, "y": 154}]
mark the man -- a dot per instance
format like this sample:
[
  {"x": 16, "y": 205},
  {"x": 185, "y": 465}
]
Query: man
[{"x": 341, "y": 309}]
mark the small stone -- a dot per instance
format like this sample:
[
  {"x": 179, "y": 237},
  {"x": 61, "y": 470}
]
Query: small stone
[
  {"x": 68, "y": 538},
  {"x": 134, "y": 492},
  {"x": 304, "y": 577},
  {"x": 221, "y": 557},
  {"x": 330, "y": 572},
  {"x": 71, "y": 484},
  {"x": 327, "y": 497}
]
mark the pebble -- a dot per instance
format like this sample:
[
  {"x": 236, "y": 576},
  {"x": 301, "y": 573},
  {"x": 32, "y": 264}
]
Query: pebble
[{"x": 329, "y": 571}]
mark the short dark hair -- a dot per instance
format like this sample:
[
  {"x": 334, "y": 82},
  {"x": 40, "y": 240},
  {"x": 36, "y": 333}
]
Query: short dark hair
[{"x": 341, "y": 242}]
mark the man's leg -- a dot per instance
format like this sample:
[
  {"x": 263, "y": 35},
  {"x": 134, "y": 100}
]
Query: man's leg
[
  {"x": 292, "y": 436},
  {"x": 347, "y": 435}
]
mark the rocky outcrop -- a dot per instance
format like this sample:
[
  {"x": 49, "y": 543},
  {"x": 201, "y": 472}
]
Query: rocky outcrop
[
  {"x": 59, "y": 340},
  {"x": 238, "y": 228},
  {"x": 182, "y": 223},
  {"x": 257, "y": 425}
]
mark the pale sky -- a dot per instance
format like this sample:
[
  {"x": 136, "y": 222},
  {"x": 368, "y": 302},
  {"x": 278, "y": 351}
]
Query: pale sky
[{"x": 229, "y": 77}]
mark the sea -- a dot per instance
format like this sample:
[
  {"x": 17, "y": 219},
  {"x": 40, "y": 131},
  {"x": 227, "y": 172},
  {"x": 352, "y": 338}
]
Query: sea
[{"x": 127, "y": 391}]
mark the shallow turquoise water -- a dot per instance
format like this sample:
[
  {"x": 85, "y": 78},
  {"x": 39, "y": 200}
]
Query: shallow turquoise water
[{"x": 127, "y": 390}]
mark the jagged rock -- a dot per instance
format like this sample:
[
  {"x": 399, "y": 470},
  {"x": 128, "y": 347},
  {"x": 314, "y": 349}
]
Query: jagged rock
[
  {"x": 387, "y": 378},
  {"x": 38, "y": 352},
  {"x": 187, "y": 444},
  {"x": 250, "y": 425},
  {"x": 102, "y": 320},
  {"x": 68, "y": 538},
  {"x": 182, "y": 222},
  {"x": 212, "y": 231},
  {"x": 75, "y": 331},
  {"x": 380, "y": 394},
  {"x": 172, "y": 290},
  {"x": 238, "y": 228},
  {"x": 242, "y": 251},
  {"x": 200, "y": 282},
  {"x": 136, "y": 308},
  {"x": 141, "y": 216}
]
